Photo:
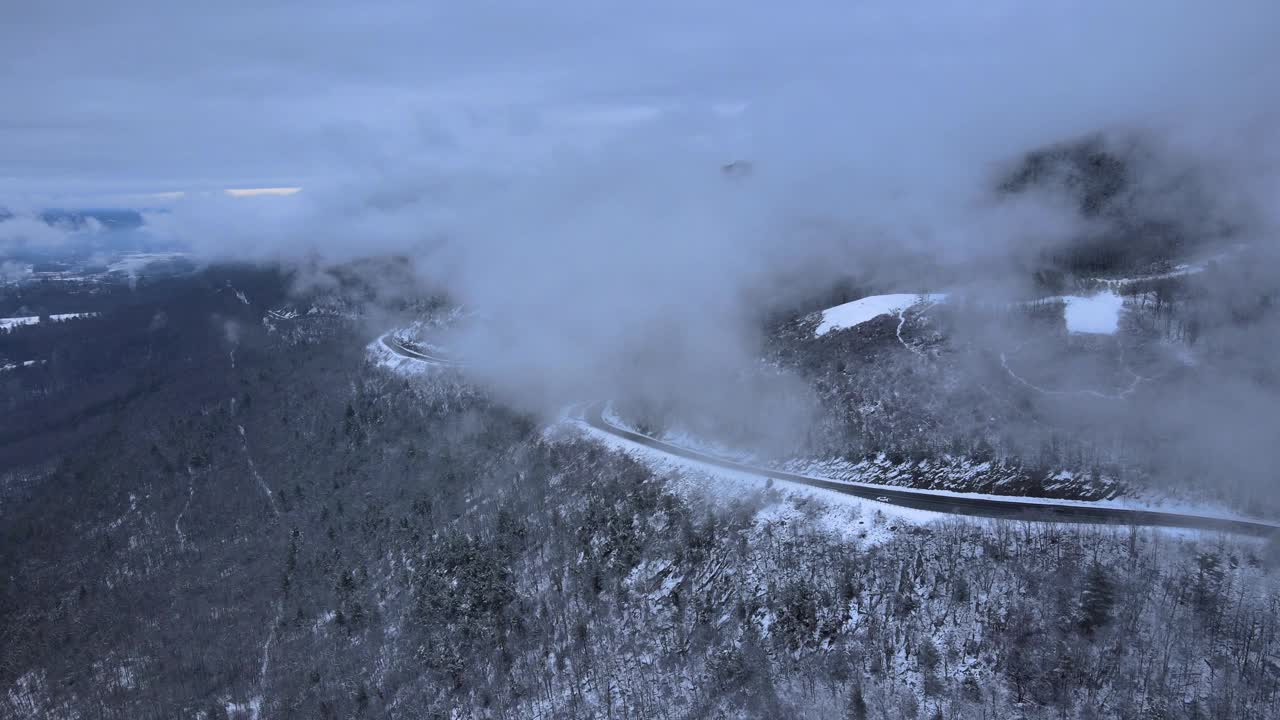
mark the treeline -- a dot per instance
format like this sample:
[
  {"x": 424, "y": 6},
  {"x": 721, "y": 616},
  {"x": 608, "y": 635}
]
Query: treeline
[{"x": 1139, "y": 220}]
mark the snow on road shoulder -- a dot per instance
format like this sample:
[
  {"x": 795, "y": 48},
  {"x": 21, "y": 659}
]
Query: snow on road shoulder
[
  {"x": 657, "y": 457},
  {"x": 846, "y": 517},
  {"x": 382, "y": 356},
  {"x": 683, "y": 438},
  {"x": 857, "y": 312},
  {"x": 1166, "y": 505}
]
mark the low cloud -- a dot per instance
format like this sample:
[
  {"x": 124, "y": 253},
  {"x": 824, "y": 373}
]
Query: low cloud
[
  {"x": 562, "y": 176},
  {"x": 25, "y": 232}
]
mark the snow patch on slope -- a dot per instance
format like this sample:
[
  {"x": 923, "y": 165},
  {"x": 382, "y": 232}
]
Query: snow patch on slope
[
  {"x": 14, "y": 366},
  {"x": 7, "y": 323},
  {"x": 868, "y": 308},
  {"x": 847, "y": 517},
  {"x": 1098, "y": 314}
]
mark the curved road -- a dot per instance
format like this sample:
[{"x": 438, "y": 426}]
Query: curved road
[
  {"x": 399, "y": 348},
  {"x": 1011, "y": 509}
]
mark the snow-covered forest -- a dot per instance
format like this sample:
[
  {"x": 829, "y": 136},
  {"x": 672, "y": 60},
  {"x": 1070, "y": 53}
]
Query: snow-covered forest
[{"x": 324, "y": 538}]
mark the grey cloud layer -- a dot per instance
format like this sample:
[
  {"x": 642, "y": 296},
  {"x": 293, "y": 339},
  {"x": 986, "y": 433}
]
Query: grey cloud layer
[
  {"x": 555, "y": 165},
  {"x": 157, "y": 95}
]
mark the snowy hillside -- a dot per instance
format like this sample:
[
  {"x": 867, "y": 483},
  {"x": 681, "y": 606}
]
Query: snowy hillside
[{"x": 859, "y": 311}]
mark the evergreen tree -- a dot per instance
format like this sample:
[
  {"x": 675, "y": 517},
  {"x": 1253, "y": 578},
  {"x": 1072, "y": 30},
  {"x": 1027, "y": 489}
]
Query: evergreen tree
[
  {"x": 1096, "y": 600},
  {"x": 857, "y": 704}
]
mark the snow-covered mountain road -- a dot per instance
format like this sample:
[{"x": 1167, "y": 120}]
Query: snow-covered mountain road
[
  {"x": 397, "y": 347},
  {"x": 1031, "y": 509}
]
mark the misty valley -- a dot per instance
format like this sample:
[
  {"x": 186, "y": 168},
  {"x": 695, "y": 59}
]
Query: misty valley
[{"x": 685, "y": 361}]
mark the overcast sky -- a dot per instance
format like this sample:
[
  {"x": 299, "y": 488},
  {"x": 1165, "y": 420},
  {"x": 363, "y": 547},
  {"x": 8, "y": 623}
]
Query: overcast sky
[{"x": 153, "y": 96}]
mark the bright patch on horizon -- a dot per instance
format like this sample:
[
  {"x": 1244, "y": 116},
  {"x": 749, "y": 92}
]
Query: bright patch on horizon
[{"x": 254, "y": 192}]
